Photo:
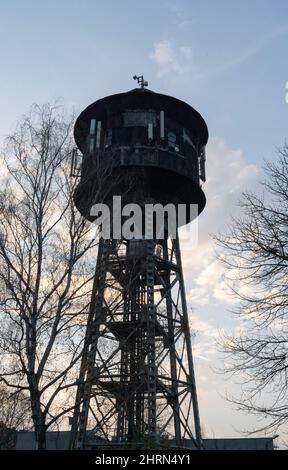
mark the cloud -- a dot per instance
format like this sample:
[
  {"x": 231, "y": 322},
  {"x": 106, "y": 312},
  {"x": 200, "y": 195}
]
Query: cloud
[
  {"x": 198, "y": 296},
  {"x": 210, "y": 273},
  {"x": 170, "y": 59},
  {"x": 228, "y": 175},
  {"x": 211, "y": 284},
  {"x": 222, "y": 293},
  {"x": 182, "y": 16}
]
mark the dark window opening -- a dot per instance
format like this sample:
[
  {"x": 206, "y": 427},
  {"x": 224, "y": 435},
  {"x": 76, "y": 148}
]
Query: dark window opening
[
  {"x": 137, "y": 118},
  {"x": 108, "y": 138},
  {"x": 172, "y": 141},
  {"x": 150, "y": 131}
]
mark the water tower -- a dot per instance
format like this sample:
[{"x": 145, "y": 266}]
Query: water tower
[{"x": 136, "y": 385}]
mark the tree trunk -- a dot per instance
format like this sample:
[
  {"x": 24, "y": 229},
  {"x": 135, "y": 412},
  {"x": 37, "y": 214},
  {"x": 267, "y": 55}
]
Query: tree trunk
[
  {"x": 39, "y": 422},
  {"x": 40, "y": 436}
]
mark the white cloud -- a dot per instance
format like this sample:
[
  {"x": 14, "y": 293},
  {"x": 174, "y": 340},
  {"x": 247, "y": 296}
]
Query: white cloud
[
  {"x": 170, "y": 59},
  {"x": 229, "y": 174},
  {"x": 198, "y": 296},
  {"x": 205, "y": 328},
  {"x": 222, "y": 292},
  {"x": 182, "y": 16},
  {"x": 204, "y": 378},
  {"x": 210, "y": 274}
]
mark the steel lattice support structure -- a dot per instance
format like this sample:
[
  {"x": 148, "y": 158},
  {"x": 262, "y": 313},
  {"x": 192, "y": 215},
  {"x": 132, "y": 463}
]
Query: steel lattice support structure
[{"x": 136, "y": 383}]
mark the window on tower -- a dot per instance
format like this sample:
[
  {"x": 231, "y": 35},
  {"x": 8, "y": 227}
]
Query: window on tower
[
  {"x": 108, "y": 138},
  {"x": 139, "y": 118},
  {"x": 172, "y": 140}
]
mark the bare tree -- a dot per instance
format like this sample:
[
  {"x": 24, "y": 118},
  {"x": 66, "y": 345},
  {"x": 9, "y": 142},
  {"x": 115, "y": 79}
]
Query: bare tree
[
  {"x": 46, "y": 268},
  {"x": 15, "y": 412},
  {"x": 15, "y": 415},
  {"x": 256, "y": 255}
]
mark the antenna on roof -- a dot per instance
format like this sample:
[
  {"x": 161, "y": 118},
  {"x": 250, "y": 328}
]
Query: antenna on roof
[{"x": 141, "y": 81}]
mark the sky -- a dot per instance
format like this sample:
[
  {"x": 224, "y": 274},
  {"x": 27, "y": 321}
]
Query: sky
[{"x": 227, "y": 59}]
